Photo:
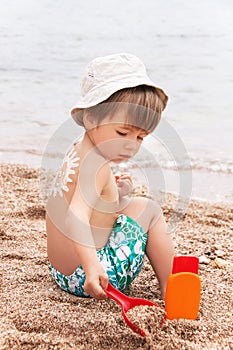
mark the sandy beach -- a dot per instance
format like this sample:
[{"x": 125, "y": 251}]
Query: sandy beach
[{"x": 36, "y": 314}]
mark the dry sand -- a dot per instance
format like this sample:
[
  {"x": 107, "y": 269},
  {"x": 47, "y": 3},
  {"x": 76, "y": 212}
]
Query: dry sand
[{"x": 36, "y": 314}]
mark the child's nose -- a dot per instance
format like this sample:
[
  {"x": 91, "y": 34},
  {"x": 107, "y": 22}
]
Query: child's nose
[{"x": 131, "y": 145}]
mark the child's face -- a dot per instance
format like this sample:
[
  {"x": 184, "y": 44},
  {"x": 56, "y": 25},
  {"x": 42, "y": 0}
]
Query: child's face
[{"x": 115, "y": 139}]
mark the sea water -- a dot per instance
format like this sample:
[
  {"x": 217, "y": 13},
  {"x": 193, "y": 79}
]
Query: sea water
[{"x": 187, "y": 47}]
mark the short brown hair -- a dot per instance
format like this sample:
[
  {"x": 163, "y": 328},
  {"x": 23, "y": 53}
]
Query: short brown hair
[{"x": 144, "y": 105}]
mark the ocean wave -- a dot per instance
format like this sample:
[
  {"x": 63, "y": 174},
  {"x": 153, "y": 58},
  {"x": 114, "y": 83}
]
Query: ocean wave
[
  {"x": 208, "y": 165},
  {"x": 217, "y": 166},
  {"x": 224, "y": 166}
]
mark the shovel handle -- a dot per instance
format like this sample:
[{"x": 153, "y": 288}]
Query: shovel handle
[{"x": 116, "y": 295}]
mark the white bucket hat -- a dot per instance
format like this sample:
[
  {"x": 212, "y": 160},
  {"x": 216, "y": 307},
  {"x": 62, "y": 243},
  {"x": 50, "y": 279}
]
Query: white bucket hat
[{"x": 103, "y": 76}]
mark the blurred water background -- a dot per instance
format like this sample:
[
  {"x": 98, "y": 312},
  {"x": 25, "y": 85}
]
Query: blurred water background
[{"x": 187, "y": 47}]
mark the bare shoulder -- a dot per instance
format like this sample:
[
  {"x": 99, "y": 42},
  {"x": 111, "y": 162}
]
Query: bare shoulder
[{"x": 103, "y": 176}]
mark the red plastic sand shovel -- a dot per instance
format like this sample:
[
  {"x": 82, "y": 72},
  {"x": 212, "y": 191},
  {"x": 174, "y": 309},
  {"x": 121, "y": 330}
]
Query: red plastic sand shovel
[{"x": 128, "y": 303}]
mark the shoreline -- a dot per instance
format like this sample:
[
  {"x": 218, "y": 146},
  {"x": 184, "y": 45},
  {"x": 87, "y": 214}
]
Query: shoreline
[
  {"x": 35, "y": 313},
  {"x": 200, "y": 192}
]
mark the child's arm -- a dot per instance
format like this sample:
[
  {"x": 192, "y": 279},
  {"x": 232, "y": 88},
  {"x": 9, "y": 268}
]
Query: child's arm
[
  {"x": 96, "y": 278},
  {"x": 84, "y": 200}
]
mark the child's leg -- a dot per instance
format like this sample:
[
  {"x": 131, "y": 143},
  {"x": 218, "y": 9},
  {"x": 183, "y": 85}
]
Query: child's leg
[
  {"x": 159, "y": 247},
  {"x": 160, "y": 252}
]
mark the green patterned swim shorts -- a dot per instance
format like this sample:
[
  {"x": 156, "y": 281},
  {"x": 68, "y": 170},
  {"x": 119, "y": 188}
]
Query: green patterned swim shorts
[{"x": 122, "y": 258}]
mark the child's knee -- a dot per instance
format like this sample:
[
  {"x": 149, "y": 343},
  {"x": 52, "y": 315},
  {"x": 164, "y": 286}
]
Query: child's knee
[
  {"x": 154, "y": 212},
  {"x": 150, "y": 212}
]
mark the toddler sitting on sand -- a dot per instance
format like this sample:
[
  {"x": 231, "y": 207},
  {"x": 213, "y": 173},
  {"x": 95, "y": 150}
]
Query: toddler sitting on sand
[{"x": 96, "y": 232}]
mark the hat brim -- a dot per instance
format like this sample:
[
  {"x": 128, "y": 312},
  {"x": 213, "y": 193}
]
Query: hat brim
[{"x": 102, "y": 93}]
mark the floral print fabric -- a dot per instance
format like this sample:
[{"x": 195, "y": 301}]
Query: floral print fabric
[{"x": 122, "y": 258}]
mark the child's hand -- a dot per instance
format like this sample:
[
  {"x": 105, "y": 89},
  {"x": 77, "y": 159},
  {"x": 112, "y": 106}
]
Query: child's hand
[
  {"x": 96, "y": 282},
  {"x": 124, "y": 183}
]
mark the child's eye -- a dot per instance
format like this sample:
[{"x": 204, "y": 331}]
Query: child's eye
[
  {"x": 140, "y": 138},
  {"x": 121, "y": 133}
]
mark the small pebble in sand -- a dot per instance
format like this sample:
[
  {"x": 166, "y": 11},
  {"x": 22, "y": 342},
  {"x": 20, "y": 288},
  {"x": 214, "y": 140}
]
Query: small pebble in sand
[
  {"x": 220, "y": 263},
  {"x": 204, "y": 260},
  {"x": 219, "y": 253},
  {"x": 148, "y": 318},
  {"x": 207, "y": 252}
]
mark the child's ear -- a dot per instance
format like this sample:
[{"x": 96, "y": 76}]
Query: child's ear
[{"x": 89, "y": 121}]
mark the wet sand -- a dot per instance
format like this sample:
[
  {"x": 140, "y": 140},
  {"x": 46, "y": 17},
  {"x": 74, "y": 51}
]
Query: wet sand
[{"x": 36, "y": 314}]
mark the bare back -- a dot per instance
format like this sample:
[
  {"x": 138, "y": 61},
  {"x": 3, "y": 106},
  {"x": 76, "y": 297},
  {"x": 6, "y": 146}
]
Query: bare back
[{"x": 61, "y": 250}]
